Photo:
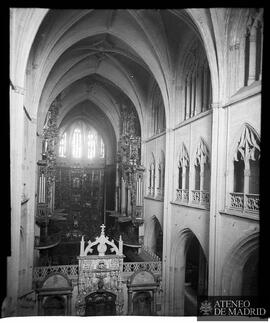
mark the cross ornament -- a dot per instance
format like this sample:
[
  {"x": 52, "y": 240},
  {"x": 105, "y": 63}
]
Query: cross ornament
[{"x": 102, "y": 229}]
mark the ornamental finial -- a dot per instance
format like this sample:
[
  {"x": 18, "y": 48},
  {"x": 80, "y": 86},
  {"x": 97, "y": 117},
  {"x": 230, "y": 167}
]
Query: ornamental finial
[{"x": 103, "y": 229}]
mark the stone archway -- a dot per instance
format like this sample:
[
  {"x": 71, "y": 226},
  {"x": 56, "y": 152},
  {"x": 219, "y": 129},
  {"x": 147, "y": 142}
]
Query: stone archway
[
  {"x": 154, "y": 236},
  {"x": 180, "y": 280},
  {"x": 195, "y": 276},
  {"x": 240, "y": 267}
]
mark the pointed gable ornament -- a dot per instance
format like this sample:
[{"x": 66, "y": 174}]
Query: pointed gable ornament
[
  {"x": 101, "y": 242},
  {"x": 202, "y": 153},
  {"x": 183, "y": 157},
  {"x": 248, "y": 145}
]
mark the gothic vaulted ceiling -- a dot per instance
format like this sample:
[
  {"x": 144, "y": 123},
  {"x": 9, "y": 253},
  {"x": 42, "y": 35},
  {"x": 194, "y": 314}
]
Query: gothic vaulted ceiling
[{"x": 107, "y": 58}]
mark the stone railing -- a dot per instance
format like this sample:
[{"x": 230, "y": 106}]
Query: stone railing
[
  {"x": 159, "y": 193},
  {"x": 71, "y": 271},
  {"x": 153, "y": 266},
  {"x": 201, "y": 198},
  {"x": 182, "y": 195},
  {"x": 245, "y": 202},
  {"x": 252, "y": 202}
]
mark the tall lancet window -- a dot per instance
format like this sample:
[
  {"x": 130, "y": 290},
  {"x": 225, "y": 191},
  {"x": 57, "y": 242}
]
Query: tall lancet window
[
  {"x": 91, "y": 145},
  {"x": 102, "y": 149},
  {"x": 63, "y": 146},
  {"x": 77, "y": 143}
]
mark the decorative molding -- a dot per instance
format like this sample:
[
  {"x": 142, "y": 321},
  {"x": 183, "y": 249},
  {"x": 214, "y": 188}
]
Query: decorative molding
[
  {"x": 183, "y": 156},
  {"x": 101, "y": 242},
  {"x": 202, "y": 153},
  {"x": 244, "y": 215},
  {"x": 244, "y": 93},
  {"x": 248, "y": 145},
  {"x": 192, "y": 119}
]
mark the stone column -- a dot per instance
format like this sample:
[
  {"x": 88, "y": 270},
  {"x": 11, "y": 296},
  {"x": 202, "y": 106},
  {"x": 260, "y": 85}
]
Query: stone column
[
  {"x": 123, "y": 197},
  {"x": 129, "y": 209},
  {"x": 198, "y": 92},
  {"x": 117, "y": 188},
  {"x": 188, "y": 111},
  {"x": 16, "y": 153},
  {"x": 202, "y": 178},
  {"x": 217, "y": 193},
  {"x": 167, "y": 222},
  {"x": 251, "y": 37},
  {"x": 129, "y": 301},
  {"x": 246, "y": 180},
  {"x": 185, "y": 100},
  {"x": 40, "y": 298},
  {"x": 184, "y": 177},
  {"x": 246, "y": 176},
  {"x": 154, "y": 306},
  {"x": 69, "y": 304},
  {"x": 205, "y": 88}
]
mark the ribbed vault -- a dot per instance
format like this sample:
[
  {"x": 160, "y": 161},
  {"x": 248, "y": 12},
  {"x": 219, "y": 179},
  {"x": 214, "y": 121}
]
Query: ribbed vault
[{"x": 104, "y": 56}]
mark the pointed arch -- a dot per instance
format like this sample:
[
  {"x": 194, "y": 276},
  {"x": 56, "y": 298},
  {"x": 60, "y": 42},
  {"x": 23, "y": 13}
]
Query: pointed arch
[
  {"x": 248, "y": 145},
  {"x": 151, "y": 175},
  {"x": 237, "y": 257},
  {"x": 183, "y": 159},
  {"x": 202, "y": 155},
  {"x": 178, "y": 264}
]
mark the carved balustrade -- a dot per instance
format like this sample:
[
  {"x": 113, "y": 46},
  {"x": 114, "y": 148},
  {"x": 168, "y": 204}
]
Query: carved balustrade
[
  {"x": 153, "y": 266},
  {"x": 71, "y": 271},
  {"x": 252, "y": 202},
  {"x": 204, "y": 198},
  {"x": 182, "y": 195},
  {"x": 195, "y": 197},
  {"x": 151, "y": 191},
  {"x": 244, "y": 202}
]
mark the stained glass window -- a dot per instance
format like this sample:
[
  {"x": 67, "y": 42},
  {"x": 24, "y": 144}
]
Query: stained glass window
[
  {"x": 91, "y": 143},
  {"x": 102, "y": 149},
  {"x": 63, "y": 145},
  {"x": 77, "y": 143}
]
